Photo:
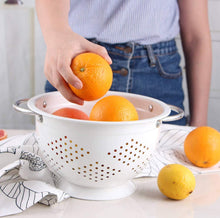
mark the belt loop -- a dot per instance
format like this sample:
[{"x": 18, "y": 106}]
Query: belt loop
[{"x": 151, "y": 55}]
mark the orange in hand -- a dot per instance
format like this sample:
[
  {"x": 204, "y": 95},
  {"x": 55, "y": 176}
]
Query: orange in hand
[
  {"x": 202, "y": 146},
  {"x": 113, "y": 108},
  {"x": 71, "y": 113},
  {"x": 95, "y": 74}
]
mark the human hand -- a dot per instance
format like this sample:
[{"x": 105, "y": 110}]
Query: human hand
[{"x": 62, "y": 47}]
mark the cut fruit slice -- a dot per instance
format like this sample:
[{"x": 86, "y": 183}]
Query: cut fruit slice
[
  {"x": 71, "y": 113},
  {"x": 3, "y": 134}
]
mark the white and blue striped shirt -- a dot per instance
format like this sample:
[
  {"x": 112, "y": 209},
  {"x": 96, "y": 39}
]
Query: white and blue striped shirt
[{"x": 118, "y": 21}]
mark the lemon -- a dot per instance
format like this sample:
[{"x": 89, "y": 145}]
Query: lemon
[{"x": 176, "y": 181}]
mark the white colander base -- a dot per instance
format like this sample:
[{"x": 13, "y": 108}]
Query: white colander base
[{"x": 98, "y": 194}]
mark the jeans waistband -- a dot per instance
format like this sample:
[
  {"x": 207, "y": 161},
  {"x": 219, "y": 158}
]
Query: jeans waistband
[{"x": 160, "y": 48}]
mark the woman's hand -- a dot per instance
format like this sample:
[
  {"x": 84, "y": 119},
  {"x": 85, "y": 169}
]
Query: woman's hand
[{"x": 62, "y": 47}]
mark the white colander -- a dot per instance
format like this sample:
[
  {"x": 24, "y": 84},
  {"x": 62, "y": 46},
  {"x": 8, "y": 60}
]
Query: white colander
[{"x": 97, "y": 160}]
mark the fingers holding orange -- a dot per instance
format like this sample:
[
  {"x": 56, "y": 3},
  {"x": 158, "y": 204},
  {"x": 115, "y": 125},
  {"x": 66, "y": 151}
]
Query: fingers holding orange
[
  {"x": 60, "y": 84},
  {"x": 95, "y": 74},
  {"x": 63, "y": 67},
  {"x": 100, "y": 50}
]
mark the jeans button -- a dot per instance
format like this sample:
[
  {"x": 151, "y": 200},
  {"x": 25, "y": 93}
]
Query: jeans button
[
  {"x": 128, "y": 50},
  {"x": 124, "y": 72}
]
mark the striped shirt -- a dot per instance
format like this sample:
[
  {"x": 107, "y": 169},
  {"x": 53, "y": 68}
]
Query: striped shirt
[{"x": 118, "y": 21}]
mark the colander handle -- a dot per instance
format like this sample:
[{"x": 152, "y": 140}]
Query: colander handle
[
  {"x": 178, "y": 116},
  {"x": 17, "y": 107}
]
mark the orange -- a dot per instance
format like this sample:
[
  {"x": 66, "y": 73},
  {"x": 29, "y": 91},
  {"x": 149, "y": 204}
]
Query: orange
[
  {"x": 202, "y": 146},
  {"x": 113, "y": 108},
  {"x": 95, "y": 74},
  {"x": 71, "y": 113},
  {"x": 3, "y": 134}
]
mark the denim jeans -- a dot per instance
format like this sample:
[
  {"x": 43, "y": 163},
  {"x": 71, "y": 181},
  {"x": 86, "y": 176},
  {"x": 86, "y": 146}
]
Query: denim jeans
[{"x": 149, "y": 70}]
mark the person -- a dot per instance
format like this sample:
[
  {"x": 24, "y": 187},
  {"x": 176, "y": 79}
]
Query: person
[{"x": 138, "y": 39}]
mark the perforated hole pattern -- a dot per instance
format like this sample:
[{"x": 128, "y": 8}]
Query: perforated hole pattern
[{"x": 132, "y": 155}]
